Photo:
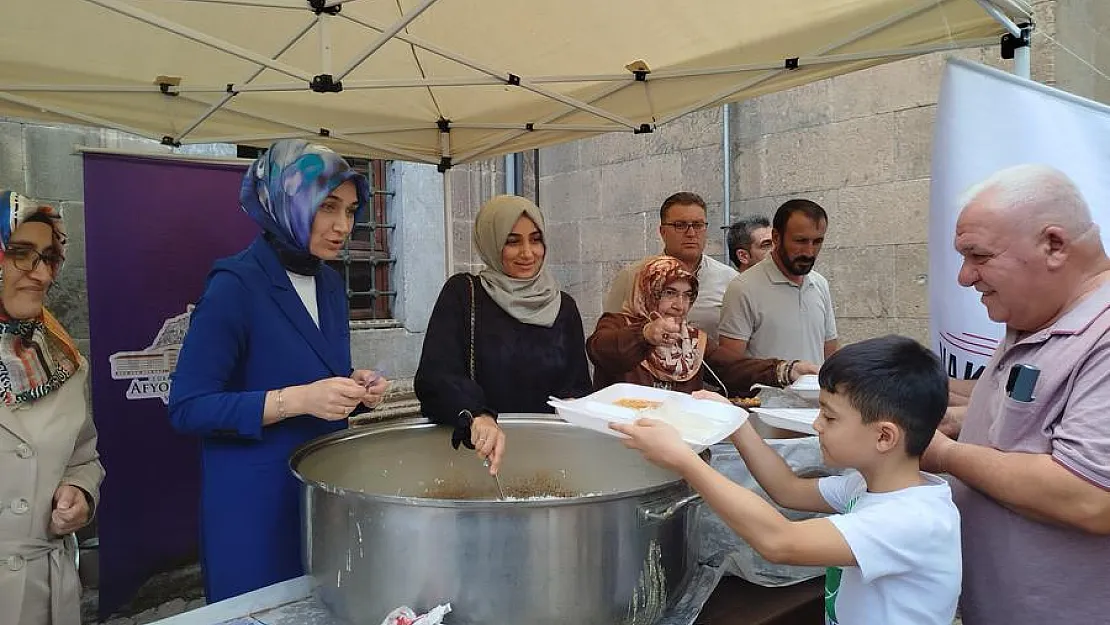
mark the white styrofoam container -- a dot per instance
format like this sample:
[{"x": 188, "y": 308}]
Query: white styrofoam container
[
  {"x": 597, "y": 410},
  {"x": 807, "y": 387},
  {"x": 793, "y": 419}
]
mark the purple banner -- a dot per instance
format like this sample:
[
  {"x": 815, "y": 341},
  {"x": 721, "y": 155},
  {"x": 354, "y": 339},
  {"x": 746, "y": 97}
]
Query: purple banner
[{"x": 153, "y": 227}]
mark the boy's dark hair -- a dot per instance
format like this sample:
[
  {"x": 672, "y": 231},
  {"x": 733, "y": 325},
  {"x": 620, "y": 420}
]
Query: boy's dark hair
[
  {"x": 809, "y": 208},
  {"x": 682, "y": 197},
  {"x": 740, "y": 235},
  {"x": 891, "y": 378}
]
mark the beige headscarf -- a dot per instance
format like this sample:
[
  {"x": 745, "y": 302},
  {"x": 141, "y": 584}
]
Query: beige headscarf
[{"x": 535, "y": 300}]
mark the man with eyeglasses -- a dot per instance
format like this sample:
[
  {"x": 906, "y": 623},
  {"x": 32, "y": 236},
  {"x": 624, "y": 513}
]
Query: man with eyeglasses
[
  {"x": 749, "y": 242},
  {"x": 783, "y": 309},
  {"x": 682, "y": 226}
]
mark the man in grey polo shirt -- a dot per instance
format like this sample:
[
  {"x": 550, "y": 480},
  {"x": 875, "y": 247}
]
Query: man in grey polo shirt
[
  {"x": 682, "y": 226},
  {"x": 781, "y": 308},
  {"x": 1032, "y": 470}
]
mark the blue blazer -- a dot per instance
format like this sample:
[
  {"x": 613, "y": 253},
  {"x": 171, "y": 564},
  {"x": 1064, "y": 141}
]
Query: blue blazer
[{"x": 249, "y": 334}]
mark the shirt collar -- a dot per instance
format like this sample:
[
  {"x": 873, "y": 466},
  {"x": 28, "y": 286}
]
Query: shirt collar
[
  {"x": 776, "y": 276},
  {"x": 1076, "y": 320}
]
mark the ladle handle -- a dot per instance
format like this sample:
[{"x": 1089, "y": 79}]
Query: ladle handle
[{"x": 658, "y": 515}]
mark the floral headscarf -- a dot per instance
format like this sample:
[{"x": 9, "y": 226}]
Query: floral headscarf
[
  {"x": 676, "y": 363},
  {"x": 282, "y": 190},
  {"x": 37, "y": 356}
]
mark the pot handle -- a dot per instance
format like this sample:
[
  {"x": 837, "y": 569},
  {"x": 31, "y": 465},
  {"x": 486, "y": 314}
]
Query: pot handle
[{"x": 658, "y": 515}]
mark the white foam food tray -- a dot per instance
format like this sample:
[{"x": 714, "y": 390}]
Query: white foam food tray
[
  {"x": 702, "y": 422},
  {"x": 807, "y": 387},
  {"x": 793, "y": 419}
]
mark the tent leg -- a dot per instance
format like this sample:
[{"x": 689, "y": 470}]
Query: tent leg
[
  {"x": 1021, "y": 60},
  {"x": 448, "y": 228},
  {"x": 726, "y": 192}
]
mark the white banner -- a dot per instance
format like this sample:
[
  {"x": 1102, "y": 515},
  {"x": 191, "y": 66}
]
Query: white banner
[{"x": 988, "y": 120}]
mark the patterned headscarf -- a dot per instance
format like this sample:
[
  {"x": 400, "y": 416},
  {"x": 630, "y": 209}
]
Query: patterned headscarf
[
  {"x": 282, "y": 190},
  {"x": 37, "y": 356},
  {"x": 676, "y": 363}
]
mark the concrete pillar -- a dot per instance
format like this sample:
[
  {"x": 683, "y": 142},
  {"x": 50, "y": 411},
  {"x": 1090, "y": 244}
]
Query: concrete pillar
[{"x": 417, "y": 241}]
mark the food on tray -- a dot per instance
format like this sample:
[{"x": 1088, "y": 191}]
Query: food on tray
[
  {"x": 746, "y": 402},
  {"x": 637, "y": 404},
  {"x": 689, "y": 424}
]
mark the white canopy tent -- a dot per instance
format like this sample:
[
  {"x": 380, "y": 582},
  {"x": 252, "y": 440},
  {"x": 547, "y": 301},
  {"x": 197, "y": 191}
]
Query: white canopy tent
[{"x": 446, "y": 81}]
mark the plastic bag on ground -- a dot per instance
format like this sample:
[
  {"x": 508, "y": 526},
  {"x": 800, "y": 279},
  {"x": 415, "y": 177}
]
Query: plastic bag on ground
[{"x": 405, "y": 616}]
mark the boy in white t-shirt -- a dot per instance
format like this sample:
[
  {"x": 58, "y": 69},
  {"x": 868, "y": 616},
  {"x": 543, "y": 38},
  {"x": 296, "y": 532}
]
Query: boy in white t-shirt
[{"x": 892, "y": 544}]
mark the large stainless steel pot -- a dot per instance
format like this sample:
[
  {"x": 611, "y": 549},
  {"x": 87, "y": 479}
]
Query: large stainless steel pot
[{"x": 374, "y": 540}]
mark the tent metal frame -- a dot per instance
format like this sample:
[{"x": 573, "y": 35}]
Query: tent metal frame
[{"x": 323, "y": 12}]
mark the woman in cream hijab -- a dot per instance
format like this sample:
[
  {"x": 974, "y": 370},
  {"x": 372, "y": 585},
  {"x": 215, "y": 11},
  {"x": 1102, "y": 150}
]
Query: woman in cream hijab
[{"x": 503, "y": 340}]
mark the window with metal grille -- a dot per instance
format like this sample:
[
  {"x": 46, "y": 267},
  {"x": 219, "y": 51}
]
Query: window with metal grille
[{"x": 366, "y": 264}]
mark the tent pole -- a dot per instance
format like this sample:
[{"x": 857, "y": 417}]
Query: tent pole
[
  {"x": 395, "y": 153},
  {"x": 269, "y": 137},
  {"x": 384, "y": 38},
  {"x": 422, "y": 82},
  {"x": 726, "y": 192},
  {"x": 260, "y": 4},
  {"x": 538, "y": 127},
  {"x": 554, "y": 117},
  {"x": 373, "y": 130},
  {"x": 255, "y": 74},
  {"x": 1021, "y": 61},
  {"x": 88, "y": 119},
  {"x": 202, "y": 38},
  {"x": 1000, "y": 17},
  {"x": 325, "y": 43},
  {"x": 510, "y": 175},
  {"x": 505, "y": 76},
  {"x": 1022, "y": 32},
  {"x": 448, "y": 228}
]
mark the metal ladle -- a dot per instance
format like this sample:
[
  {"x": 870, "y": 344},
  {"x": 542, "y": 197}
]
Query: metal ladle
[{"x": 497, "y": 480}]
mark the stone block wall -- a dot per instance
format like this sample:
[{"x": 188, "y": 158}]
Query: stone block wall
[{"x": 859, "y": 144}]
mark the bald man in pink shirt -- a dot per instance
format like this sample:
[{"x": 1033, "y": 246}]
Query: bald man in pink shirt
[{"x": 1032, "y": 469}]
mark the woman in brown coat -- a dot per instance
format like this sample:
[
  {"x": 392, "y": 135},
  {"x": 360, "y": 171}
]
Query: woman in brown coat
[
  {"x": 651, "y": 343},
  {"x": 50, "y": 472}
]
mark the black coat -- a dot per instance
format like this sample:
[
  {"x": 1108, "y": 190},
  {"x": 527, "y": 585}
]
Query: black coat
[{"x": 517, "y": 365}]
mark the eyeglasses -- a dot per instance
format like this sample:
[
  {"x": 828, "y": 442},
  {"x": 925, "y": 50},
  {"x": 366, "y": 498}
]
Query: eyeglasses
[
  {"x": 670, "y": 294},
  {"x": 683, "y": 226},
  {"x": 28, "y": 258}
]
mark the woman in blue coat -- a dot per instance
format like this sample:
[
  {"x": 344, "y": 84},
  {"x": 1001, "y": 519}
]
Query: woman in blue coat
[{"x": 266, "y": 364}]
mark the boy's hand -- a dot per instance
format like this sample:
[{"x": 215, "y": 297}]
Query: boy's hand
[
  {"x": 659, "y": 442},
  {"x": 711, "y": 396}
]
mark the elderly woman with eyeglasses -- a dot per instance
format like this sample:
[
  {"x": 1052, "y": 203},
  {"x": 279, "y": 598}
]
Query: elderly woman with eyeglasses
[
  {"x": 651, "y": 343},
  {"x": 50, "y": 471}
]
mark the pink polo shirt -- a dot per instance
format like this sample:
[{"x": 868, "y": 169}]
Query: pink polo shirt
[{"x": 1018, "y": 571}]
